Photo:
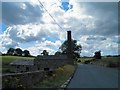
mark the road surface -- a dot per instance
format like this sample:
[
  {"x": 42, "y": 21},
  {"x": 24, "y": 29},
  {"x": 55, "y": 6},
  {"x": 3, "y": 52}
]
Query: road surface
[{"x": 92, "y": 76}]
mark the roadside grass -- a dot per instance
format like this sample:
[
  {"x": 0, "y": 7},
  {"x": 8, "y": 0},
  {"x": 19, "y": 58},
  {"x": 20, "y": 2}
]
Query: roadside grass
[
  {"x": 7, "y": 59},
  {"x": 110, "y": 59},
  {"x": 58, "y": 78},
  {"x": 103, "y": 59},
  {"x": 113, "y": 62}
]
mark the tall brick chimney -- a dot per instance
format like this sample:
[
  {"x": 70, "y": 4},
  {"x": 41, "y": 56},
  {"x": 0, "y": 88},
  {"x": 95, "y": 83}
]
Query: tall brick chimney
[{"x": 69, "y": 47}]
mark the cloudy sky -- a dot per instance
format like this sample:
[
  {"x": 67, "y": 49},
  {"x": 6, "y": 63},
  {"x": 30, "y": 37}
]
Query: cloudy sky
[{"x": 27, "y": 25}]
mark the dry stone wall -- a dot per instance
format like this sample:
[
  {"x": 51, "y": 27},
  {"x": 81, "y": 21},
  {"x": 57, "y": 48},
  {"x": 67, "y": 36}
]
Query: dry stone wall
[
  {"x": 22, "y": 80},
  {"x": 50, "y": 61}
]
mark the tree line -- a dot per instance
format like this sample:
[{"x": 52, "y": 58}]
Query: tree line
[
  {"x": 62, "y": 50},
  {"x": 18, "y": 52}
]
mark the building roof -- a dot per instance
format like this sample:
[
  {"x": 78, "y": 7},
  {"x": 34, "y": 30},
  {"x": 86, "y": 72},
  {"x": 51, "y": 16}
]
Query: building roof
[{"x": 22, "y": 62}]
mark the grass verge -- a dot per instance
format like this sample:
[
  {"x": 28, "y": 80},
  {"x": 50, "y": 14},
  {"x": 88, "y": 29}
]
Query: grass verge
[
  {"x": 58, "y": 78},
  {"x": 108, "y": 62}
]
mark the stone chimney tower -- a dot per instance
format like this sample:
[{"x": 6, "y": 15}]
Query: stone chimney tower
[{"x": 69, "y": 48}]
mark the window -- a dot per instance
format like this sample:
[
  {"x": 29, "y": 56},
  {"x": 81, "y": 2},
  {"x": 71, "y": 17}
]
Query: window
[
  {"x": 21, "y": 71},
  {"x": 18, "y": 66},
  {"x": 27, "y": 68},
  {"x": 46, "y": 69}
]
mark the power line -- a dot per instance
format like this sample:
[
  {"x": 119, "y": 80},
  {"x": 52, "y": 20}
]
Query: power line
[
  {"x": 49, "y": 14},
  {"x": 59, "y": 0}
]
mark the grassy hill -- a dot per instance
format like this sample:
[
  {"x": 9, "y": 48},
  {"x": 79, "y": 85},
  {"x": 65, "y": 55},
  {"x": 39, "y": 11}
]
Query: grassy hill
[{"x": 7, "y": 59}]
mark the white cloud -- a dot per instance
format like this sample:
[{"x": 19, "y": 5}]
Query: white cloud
[
  {"x": 91, "y": 45},
  {"x": 48, "y": 45},
  {"x": 34, "y": 51}
]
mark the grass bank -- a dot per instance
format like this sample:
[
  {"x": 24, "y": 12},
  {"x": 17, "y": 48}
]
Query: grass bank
[
  {"x": 104, "y": 61},
  {"x": 58, "y": 78},
  {"x": 110, "y": 59},
  {"x": 113, "y": 62}
]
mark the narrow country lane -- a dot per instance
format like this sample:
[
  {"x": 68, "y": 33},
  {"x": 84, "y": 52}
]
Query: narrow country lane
[{"x": 92, "y": 76}]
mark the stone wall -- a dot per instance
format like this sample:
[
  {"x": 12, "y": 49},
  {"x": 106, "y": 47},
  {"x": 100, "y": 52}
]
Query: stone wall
[
  {"x": 51, "y": 61},
  {"x": 21, "y": 68},
  {"x": 22, "y": 80}
]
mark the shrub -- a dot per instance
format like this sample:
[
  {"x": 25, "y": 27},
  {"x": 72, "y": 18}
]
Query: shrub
[
  {"x": 78, "y": 60},
  {"x": 114, "y": 64},
  {"x": 59, "y": 71},
  {"x": 86, "y": 62}
]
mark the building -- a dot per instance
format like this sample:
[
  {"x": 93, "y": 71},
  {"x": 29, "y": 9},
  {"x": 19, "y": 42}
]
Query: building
[{"x": 22, "y": 65}]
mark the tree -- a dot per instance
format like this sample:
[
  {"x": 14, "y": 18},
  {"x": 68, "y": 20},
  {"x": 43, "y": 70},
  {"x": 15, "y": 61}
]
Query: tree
[
  {"x": 10, "y": 51},
  {"x": 26, "y": 53},
  {"x": 97, "y": 55},
  {"x": 76, "y": 48},
  {"x": 45, "y": 52},
  {"x": 18, "y": 52},
  {"x": 58, "y": 53}
]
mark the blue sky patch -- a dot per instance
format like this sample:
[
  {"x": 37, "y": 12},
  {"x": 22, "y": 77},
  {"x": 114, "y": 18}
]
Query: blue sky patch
[
  {"x": 3, "y": 27},
  {"x": 52, "y": 38},
  {"x": 27, "y": 44},
  {"x": 66, "y": 6}
]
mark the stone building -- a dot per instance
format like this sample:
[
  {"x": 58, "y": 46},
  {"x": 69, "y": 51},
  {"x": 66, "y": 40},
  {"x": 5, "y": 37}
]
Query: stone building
[
  {"x": 47, "y": 61},
  {"x": 22, "y": 66},
  {"x": 50, "y": 61}
]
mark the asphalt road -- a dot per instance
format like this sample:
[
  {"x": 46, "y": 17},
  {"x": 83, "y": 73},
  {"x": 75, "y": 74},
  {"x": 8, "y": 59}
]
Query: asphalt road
[{"x": 92, "y": 76}]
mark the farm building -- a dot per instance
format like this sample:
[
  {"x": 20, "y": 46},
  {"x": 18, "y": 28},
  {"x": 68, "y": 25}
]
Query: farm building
[
  {"x": 50, "y": 61},
  {"x": 42, "y": 62},
  {"x": 22, "y": 65}
]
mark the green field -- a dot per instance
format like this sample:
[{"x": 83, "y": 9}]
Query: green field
[
  {"x": 8, "y": 59},
  {"x": 104, "y": 59}
]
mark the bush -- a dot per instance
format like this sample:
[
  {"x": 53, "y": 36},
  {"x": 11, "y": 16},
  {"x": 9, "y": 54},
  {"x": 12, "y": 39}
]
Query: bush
[
  {"x": 86, "y": 62},
  {"x": 59, "y": 71},
  {"x": 114, "y": 64},
  {"x": 78, "y": 60}
]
